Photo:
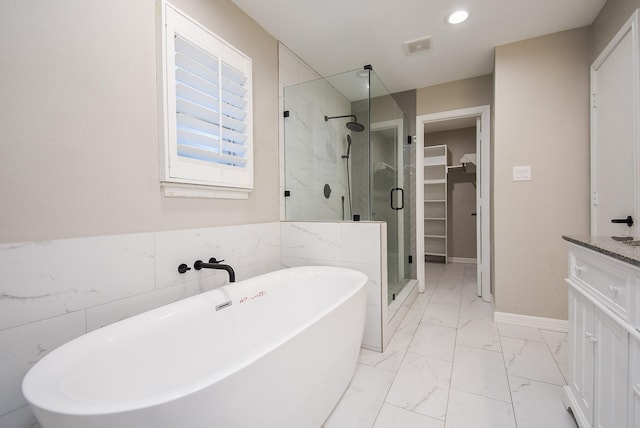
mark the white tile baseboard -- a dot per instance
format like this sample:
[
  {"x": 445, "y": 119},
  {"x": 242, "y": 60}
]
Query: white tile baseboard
[{"x": 532, "y": 322}]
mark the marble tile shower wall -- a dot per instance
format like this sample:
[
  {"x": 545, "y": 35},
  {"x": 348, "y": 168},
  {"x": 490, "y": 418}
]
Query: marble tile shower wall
[
  {"x": 54, "y": 291},
  {"x": 314, "y": 148},
  {"x": 313, "y": 154}
]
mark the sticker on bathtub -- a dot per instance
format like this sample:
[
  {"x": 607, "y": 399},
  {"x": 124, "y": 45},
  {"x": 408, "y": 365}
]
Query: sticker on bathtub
[{"x": 255, "y": 296}]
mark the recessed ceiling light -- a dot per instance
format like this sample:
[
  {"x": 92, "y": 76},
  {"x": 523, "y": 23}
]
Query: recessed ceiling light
[{"x": 457, "y": 17}]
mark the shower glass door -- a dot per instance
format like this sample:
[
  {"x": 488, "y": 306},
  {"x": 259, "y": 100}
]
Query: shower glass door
[{"x": 389, "y": 195}]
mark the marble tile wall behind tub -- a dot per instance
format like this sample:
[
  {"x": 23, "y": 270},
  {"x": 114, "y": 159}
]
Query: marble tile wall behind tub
[
  {"x": 54, "y": 291},
  {"x": 355, "y": 245}
]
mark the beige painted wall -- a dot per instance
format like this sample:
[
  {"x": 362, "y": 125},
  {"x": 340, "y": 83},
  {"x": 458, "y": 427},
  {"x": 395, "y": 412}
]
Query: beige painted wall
[
  {"x": 78, "y": 119},
  {"x": 476, "y": 91},
  {"x": 542, "y": 120},
  {"x": 611, "y": 17}
]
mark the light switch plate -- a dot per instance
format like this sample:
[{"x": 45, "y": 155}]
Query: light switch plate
[{"x": 522, "y": 173}]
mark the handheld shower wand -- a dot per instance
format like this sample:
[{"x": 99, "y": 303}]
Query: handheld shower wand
[
  {"x": 346, "y": 158},
  {"x": 348, "y": 147}
]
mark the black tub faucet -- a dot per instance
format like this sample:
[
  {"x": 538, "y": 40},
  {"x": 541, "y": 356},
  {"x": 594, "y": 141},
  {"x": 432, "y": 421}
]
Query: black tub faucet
[{"x": 215, "y": 264}]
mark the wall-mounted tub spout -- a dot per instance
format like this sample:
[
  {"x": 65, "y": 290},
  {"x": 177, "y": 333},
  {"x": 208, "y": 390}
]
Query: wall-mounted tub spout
[{"x": 215, "y": 264}]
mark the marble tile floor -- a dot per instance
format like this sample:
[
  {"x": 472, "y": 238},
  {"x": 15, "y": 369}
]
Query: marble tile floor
[{"x": 450, "y": 365}]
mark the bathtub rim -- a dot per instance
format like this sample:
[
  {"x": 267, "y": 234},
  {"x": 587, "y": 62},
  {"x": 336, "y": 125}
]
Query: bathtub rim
[{"x": 64, "y": 404}]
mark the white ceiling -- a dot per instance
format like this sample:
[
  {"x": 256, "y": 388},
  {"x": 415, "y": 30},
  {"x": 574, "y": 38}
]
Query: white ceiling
[{"x": 334, "y": 36}]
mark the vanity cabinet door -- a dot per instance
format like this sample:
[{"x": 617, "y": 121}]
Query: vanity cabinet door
[
  {"x": 611, "y": 343},
  {"x": 634, "y": 387},
  {"x": 581, "y": 353}
]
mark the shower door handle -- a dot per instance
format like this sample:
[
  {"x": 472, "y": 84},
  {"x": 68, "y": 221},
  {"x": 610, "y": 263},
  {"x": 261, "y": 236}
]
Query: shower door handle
[{"x": 391, "y": 199}]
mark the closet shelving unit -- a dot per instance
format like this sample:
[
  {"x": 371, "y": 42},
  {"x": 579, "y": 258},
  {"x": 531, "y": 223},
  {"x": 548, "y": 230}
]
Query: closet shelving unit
[{"x": 435, "y": 202}]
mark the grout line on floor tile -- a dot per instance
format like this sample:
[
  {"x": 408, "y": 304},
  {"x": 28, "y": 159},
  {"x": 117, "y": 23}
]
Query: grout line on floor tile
[
  {"x": 553, "y": 355},
  {"x": 453, "y": 360},
  {"x": 506, "y": 372}
]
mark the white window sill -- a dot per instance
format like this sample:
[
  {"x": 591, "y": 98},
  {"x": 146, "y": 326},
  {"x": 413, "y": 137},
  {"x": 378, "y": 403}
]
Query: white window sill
[{"x": 183, "y": 190}]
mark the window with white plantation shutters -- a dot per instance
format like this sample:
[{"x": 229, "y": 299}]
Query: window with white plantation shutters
[{"x": 208, "y": 120}]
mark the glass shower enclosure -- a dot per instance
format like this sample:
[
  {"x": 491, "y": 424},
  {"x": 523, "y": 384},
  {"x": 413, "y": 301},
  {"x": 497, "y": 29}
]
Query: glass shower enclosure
[{"x": 347, "y": 158}]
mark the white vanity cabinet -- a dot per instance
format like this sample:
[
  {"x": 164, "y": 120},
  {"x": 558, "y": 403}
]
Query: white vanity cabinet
[{"x": 603, "y": 388}]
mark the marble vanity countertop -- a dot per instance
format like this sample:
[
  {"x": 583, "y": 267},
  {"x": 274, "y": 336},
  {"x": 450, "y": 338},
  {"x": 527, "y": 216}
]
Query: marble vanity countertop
[{"x": 608, "y": 246}]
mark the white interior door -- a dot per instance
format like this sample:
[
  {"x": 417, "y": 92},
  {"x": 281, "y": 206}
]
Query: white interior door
[
  {"x": 614, "y": 135},
  {"x": 483, "y": 190},
  {"x": 479, "y": 204}
]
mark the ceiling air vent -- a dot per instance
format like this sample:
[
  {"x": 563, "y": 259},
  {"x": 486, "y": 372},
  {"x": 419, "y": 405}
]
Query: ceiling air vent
[{"x": 418, "y": 45}]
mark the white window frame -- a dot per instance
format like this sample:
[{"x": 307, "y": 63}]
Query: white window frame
[{"x": 183, "y": 176}]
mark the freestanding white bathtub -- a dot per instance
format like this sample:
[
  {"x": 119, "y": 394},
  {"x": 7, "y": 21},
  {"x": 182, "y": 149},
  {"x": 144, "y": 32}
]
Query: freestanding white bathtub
[{"x": 280, "y": 354}]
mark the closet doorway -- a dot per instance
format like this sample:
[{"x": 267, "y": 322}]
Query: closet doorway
[{"x": 464, "y": 167}]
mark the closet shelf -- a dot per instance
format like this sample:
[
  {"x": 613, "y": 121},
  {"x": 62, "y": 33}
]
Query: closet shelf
[
  {"x": 436, "y": 218},
  {"x": 435, "y": 236},
  {"x": 435, "y": 200},
  {"x": 435, "y": 160},
  {"x": 436, "y": 181}
]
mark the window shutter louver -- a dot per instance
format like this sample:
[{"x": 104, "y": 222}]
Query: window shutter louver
[{"x": 210, "y": 107}]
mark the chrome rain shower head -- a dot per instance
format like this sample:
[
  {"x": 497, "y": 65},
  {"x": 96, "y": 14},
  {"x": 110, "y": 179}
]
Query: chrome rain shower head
[{"x": 351, "y": 126}]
